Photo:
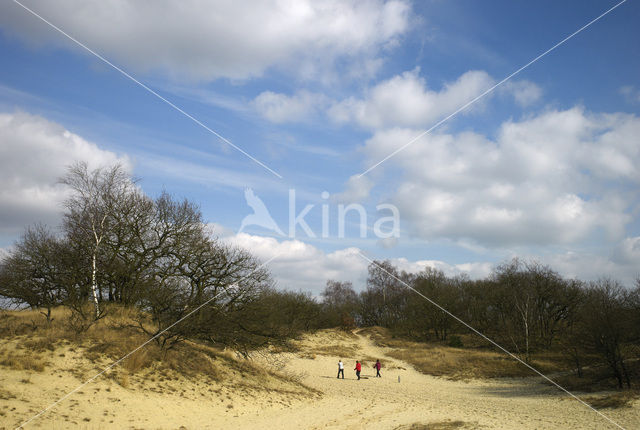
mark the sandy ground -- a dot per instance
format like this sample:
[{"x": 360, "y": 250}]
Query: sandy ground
[{"x": 371, "y": 403}]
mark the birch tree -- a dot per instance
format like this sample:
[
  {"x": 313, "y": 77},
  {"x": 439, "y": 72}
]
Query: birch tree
[{"x": 92, "y": 210}]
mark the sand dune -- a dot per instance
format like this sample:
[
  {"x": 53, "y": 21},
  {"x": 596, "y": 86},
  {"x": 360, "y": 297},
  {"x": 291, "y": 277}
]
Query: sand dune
[
  {"x": 385, "y": 403},
  {"x": 400, "y": 398}
]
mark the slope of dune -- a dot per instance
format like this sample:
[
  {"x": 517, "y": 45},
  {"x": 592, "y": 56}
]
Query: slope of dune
[{"x": 292, "y": 390}]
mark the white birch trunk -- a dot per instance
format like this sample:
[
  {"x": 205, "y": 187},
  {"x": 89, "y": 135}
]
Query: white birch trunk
[
  {"x": 526, "y": 329},
  {"x": 524, "y": 313},
  {"x": 94, "y": 286}
]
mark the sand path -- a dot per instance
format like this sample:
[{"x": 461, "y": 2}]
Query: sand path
[{"x": 386, "y": 403}]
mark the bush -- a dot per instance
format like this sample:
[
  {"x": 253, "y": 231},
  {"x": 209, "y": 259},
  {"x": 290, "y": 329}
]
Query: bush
[{"x": 455, "y": 342}]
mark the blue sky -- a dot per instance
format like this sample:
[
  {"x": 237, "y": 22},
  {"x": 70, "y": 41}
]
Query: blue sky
[{"x": 544, "y": 167}]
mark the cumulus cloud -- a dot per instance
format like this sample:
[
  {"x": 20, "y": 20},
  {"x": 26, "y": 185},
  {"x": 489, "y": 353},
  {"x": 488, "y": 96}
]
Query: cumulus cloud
[
  {"x": 301, "y": 266},
  {"x": 623, "y": 265},
  {"x": 357, "y": 190},
  {"x": 196, "y": 39},
  {"x": 627, "y": 252},
  {"x": 388, "y": 242},
  {"x": 34, "y": 153},
  {"x": 280, "y": 108},
  {"x": 555, "y": 178},
  {"x": 406, "y": 101},
  {"x": 525, "y": 93}
]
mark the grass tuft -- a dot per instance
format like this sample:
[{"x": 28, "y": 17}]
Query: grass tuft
[
  {"x": 618, "y": 400},
  {"x": 23, "y": 362}
]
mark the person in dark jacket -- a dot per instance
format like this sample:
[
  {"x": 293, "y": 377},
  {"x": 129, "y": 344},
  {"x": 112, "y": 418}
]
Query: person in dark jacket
[
  {"x": 377, "y": 366},
  {"x": 358, "y": 369}
]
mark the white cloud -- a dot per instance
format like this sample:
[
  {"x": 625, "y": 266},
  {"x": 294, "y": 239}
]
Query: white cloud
[
  {"x": 219, "y": 231},
  {"x": 555, "y": 178},
  {"x": 280, "y": 108},
  {"x": 196, "y": 39},
  {"x": 388, "y": 242},
  {"x": 473, "y": 270},
  {"x": 627, "y": 252},
  {"x": 34, "y": 153},
  {"x": 405, "y": 101},
  {"x": 300, "y": 266},
  {"x": 525, "y": 93},
  {"x": 630, "y": 93},
  {"x": 357, "y": 190},
  {"x": 623, "y": 265},
  {"x": 4, "y": 252}
]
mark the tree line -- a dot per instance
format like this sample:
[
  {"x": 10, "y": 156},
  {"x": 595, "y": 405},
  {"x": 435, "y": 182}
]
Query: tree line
[{"x": 524, "y": 306}]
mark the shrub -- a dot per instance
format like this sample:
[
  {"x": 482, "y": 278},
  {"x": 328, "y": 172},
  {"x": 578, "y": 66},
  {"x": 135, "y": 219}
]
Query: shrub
[{"x": 455, "y": 342}]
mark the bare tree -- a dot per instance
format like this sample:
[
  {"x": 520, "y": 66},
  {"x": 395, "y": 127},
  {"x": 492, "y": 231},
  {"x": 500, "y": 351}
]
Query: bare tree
[
  {"x": 423, "y": 316},
  {"x": 92, "y": 209},
  {"x": 341, "y": 304},
  {"x": 606, "y": 325},
  {"x": 384, "y": 300},
  {"x": 191, "y": 270},
  {"x": 31, "y": 272},
  {"x": 533, "y": 302}
]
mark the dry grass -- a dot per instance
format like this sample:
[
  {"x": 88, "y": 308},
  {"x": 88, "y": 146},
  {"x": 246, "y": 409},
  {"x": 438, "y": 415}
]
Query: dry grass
[
  {"x": 104, "y": 341},
  {"x": 137, "y": 361},
  {"x": 368, "y": 362},
  {"x": 598, "y": 377},
  {"x": 458, "y": 363},
  {"x": 475, "y": 360},
  {"x": 621, "y": 399},
  {"x": 441, "y": 425},
  {"x": 122, "y": 378},
  {"x": 333, "y": 342},
  {"x": 194, "y": 361},
  {"x": 338, "y": 350},
  {"x": 307, "y": 355},
  {"x": 6, "y": 395},
  {"x": 43, "y": 343},
  {"x": 23, "y": 362},
  {"x": 25, "y": 323},
  {"x": 380, "y": 336},
  {"x": 25, "y": 336}
]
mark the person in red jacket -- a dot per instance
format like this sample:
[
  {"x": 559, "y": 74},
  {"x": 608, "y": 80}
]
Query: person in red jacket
[
  {"x": 358, "y": 369},
  {"x": 377, "y": 366}
]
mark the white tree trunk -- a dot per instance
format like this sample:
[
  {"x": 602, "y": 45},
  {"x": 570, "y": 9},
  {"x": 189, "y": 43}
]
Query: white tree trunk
[
  {"x": 523, "y": 309},
  {"x": 94, "y": 286},
  {"x": 526, "y": 332},
  {"x": 524, "y": 312}
]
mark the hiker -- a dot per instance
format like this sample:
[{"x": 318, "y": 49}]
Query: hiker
[
  {"x": 340, "y": 369},
  {"x": 358, "y": 369},
  {"x": 377, "y": 366}
]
